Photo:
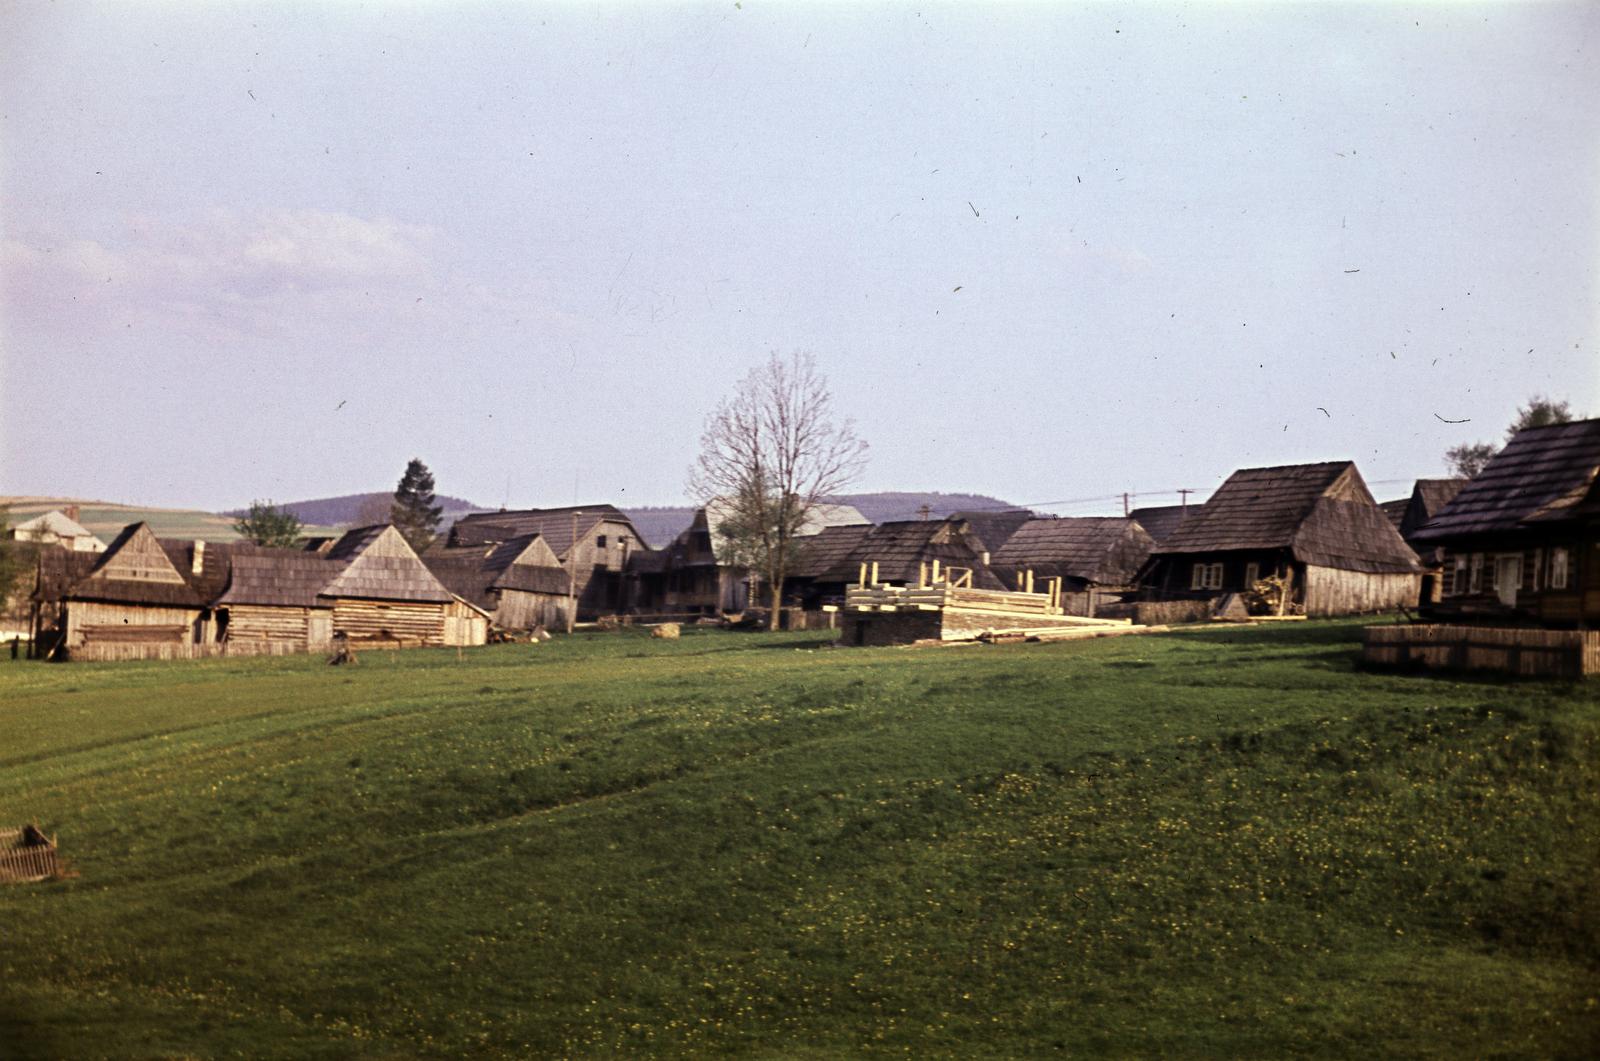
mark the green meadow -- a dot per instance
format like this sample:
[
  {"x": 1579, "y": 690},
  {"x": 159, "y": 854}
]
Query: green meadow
[{"x": 1214, "y": 843}]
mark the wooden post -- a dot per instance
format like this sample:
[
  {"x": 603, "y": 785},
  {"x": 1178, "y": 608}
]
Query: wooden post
[
  {"x": 922, "y": 575},
  {"x": 572, "y": 574},
  {"x": 862, "y": 581},
  {"x": 874, "y": 572},
  {"x": 1030, "y": 581},
  {"x": 936, "y": 570}
]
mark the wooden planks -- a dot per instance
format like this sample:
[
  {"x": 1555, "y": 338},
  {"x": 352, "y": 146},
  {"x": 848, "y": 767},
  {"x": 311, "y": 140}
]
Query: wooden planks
[{"x": 1513, "y": 650}]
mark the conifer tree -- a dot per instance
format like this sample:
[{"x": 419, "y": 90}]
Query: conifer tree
[{"x": 413, "y": 513}]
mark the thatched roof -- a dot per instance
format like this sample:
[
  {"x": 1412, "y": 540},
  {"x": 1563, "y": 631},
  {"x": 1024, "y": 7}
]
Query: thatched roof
[
  {"x": 900, "y": 548},
  {"x": 822, "y": 552},
  {"x": 1108, "y": 550},
  {"x": 554, "y": 525},
  {"x": 1543, "y": 475},
  {"x": 993, "y": 527},
  {"x": 1159, "y": 521},
  {"x": 1322, "y": 513},
  {"x": 279, "y": 577}
]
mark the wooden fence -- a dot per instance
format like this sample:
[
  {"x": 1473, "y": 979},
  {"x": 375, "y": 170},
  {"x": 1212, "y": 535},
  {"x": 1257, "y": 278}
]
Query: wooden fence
[
  {"x": 20, "y": 865},
  {"x": 116, "y": 651},
  {"x": 1510, "y": 650}
]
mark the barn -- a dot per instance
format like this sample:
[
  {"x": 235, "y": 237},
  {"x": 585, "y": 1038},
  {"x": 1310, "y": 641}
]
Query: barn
[
  {"x": 382, "y": 591},
  {"x": 131, "y": 595},
  {"x": 518, "y": 584},
  {"x": 594, "y": 540},
  {"x": 274, "y": 597},
  {"x": 1316, "y": 526}
]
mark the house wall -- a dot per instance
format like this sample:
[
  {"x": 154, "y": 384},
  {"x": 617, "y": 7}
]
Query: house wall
[
  {"x": 358, "y": 618},
  {"x": 1332, "y": 591},
  {"x": 465, "y": 625},
  {"x": 524, "y": 610},
  {"x": 1577, "y": 602},
  {"x": 310, "y": 627},
  {"x": 1172, "y": 576},
  {"x": 102, "y": 622}
]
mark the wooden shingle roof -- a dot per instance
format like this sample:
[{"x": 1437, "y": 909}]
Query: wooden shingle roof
[
  {"x": 135, "y": 569},
  {"x": 58, "y": 569},
  {"x": 1159, "y": 521},
  {"x": 279, "y": 577},
  {"x": 554, "y": 525},
  {"x": 1105, "y": 549},
  {"x": 377, "y": 564},
  {"x": 473, "y": 572},
  {"x": 900, "y": 548},
  {"x": 1543, "y": 474},
  {"x": 826, "y": 550},
  {"x": 993, "y": 527},
  {"x": 1323, "y": 513}
]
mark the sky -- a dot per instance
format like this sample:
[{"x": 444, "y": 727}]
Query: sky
[{"x": 1046, "y": 252}]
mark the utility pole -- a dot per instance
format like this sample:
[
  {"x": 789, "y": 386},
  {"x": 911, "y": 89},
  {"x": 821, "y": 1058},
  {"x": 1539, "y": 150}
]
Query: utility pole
[
  {"x": 924, "y": 512},
  {"x": 572, "y": 574},
  {"x": 1185, "y": 495},
  {"x": 1125, "y": 503}
]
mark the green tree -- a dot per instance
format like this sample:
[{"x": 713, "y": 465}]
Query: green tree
[
  {"x": 1469, "y": 458},
  {"x": 413, "y": 513},
  {"x": 267, "y": 524}
]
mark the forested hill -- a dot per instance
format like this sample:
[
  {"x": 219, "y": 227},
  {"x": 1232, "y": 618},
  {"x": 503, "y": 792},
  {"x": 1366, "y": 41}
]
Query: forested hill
[{"x": 357, "y": 509}]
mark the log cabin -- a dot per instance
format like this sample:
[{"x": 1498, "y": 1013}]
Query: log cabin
[
  {"x": 1097, "y": 558},
  {"x": 1521, "y": 540},
  {"x": 131, "y": 594},
  {"x": 382, "y": 591},
  {"x": 1410, "y": 514},
  {"x": 1314, "y": 525}
]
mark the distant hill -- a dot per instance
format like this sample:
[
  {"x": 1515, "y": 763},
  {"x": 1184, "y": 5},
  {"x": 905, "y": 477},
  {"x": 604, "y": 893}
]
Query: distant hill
[
  {"x": 105, "y": 519},
  {"x": 660, "y": 524}
]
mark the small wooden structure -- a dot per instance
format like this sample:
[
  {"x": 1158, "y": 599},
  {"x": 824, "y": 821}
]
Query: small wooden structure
[
  {"x": 27, "y": 855},
  {"x": 1313, "y": 526},
  {"x": 1522, "y": 651},
  {"x": 274, "y": 598},
  {"x": 383, "y": 592},
  {"x": 132, "y": 595},
  {"x": 943, "y": 605},
  {"x": 519, "y": 583}
]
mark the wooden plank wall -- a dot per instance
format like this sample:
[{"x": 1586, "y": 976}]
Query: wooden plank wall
[
  {"x": 1330, "y": 591},
  {"x": 421, "y": 622},
  {"x": 116, "y": 652},
  {"x": 254, "y": 622},
  {"x": 103, "y": 620},
  {"x": 1514, "y": 650},
  {"x": 522, "y": 610}
]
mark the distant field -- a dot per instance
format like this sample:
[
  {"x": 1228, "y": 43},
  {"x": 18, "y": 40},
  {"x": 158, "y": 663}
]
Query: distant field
[
  {"x": 106, "y": 520},
  {"x": 1218, "y": 843}
]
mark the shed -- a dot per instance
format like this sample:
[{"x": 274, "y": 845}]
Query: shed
[
  {"x": 1315, "y": 525},
  {"x": 131, "y": 594},
  {"x": 275, "y": 596},
  {"x": 382, "y": 591}
]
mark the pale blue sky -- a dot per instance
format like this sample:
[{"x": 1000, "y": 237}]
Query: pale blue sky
[{"x": 1042, "y": 251}]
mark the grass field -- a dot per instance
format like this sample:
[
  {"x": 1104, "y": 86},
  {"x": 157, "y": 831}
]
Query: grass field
[
  {"x": 1218, "y": 843},
  {"x": 106, "y": 520}
]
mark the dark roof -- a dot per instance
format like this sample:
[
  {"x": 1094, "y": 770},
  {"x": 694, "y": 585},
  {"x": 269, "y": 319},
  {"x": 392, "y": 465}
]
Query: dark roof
[
  {"x": 1159, "y": 521},
  {"x": 58, "y": 569},
  {"x": 281, "y": 577},
  {"x": 1104, "y": 549},
  {"x": 1323, "y": 513},
  {"x": 828, "y": 548},
  {"x": 1434, "y": 494},
  {"x": 463, "y": 575},
  {"x": 993, "y": 527},
  {"x": 553, "y": 524},
  {"x": 1395, "y": 511},
  {"x": 900, "y": 548},
  {"x": 377, "y": 564},
  {"x": 535, "y": 578},
  {"x": 473, "y": 572},
  {"x": 1542, "y": 474},
  {"x": 644, "y": 561},
  {"x": 215, "y": 562},
  {"x": 352, "y": 541}
]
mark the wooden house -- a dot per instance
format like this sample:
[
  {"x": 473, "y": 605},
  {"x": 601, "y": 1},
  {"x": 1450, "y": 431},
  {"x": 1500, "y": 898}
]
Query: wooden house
[
  {"x": 382, "y": 591},
  {"x": 992, "y": 528},
  {"x": 1097, "y": 558},
  {"x": 704, "y": 574},
  {"x": 593, "y": 541},
  {"x": 1521, "y": 541},
  {"x": 903, "y": 553},
  {"x": 1315, "y": 525},
  {"x": 518, "y": 584},
  {"x": 1410, "y": 514},
  {"x": 818, "y": 555},
  {"x": 132, "y": 593},
  {"x": 274, "y": 596}
]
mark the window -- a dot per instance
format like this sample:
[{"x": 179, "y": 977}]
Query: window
[
  {"x": 1475, "y": 573},
  {"x": 1252, "y": 575},
  {"x": 1197, "y": 577},
  {"x": 600, "y": 541},
  {"x": 1206, "y": 576},
  {"x": 1559, "y": 561},
  {"x": 1458, "y": 579}
]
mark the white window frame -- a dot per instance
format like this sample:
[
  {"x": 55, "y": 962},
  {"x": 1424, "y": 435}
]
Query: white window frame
[
  {"x": 1560, "y": 567},
  {"x": 1197, "y": 576},
  {"x": 1214, "y": 576}
]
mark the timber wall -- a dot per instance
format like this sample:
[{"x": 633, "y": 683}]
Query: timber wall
[
  {"x": 1330, "y": 591},
  {"x": 98, "y": 621},
  {"x": 389, "y": 620},
  {"x": 305, "y": 627},
  {"x": 1520, "y": 651},
  {"x": 111, "y": 651}
]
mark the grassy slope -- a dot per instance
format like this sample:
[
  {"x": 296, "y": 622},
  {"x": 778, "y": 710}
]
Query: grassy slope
[
  {"x": 106, "y": 520},
  {"x": 1218, "y": 843}
]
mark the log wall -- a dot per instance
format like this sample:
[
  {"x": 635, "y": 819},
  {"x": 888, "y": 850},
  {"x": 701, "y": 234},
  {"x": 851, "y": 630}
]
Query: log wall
[
  {"x": 389, "y": 620},
  {"x": 1331, "y": 591},
  {"x": 522, "y": 610},
  {"x": 306, "y": 627}
]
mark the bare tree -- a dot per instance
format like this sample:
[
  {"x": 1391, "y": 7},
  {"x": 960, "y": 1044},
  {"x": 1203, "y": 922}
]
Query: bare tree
[{"x": 770, "y": 454}]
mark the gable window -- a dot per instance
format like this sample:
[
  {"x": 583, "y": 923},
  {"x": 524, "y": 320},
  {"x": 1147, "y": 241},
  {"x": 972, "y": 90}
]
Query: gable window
[
  {"x": 600, "y": 541},
  {"x": 1559, "y": 564}
]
